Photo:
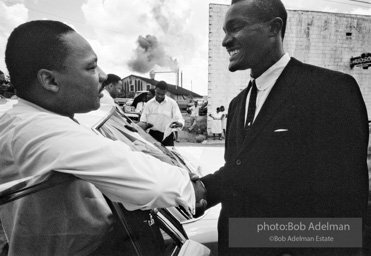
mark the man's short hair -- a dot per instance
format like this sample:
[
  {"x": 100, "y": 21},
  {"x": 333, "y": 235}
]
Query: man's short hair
[
  {"x": 266, "y": 10},
  {"x": 33, "y": 46},
  {"x": 162, "y": 85},
  {"x": 111, "y": 79}
]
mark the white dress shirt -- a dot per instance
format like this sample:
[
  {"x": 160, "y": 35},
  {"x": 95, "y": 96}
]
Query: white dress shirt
[
  {"x": 195, "y": 110},
  {"x": 265, "y": 82},
  {"x": 73, "y": 219},
  {"x": 107, "y": 98},
  {"x": 161, "y": 114}
]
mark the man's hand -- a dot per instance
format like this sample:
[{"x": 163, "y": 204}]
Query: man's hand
[
  {"x": 144, "y": 125},
  {"x": 176, "y": 125},
  {"x": 200, "y": 192}
]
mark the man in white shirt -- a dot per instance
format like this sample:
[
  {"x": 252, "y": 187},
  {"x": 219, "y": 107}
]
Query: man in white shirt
[
  {"x": 195, "y": 109},
  {"x": 112, "y": 87},
  {"x": 56, "y": 75},
  {"x": 162, "y": 114}
]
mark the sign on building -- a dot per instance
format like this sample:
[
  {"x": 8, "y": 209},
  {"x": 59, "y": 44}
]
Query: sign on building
[{"x": 363, "y": 61}]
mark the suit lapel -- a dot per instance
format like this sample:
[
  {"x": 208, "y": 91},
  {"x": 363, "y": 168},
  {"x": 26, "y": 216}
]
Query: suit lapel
[
  {"x": 241, "y": 118},
  {"x": 274, "y": 102}
]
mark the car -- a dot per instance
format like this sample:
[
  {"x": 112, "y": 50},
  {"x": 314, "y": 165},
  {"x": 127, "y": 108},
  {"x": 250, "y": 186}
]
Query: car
[
  {"x": 122, "y": 101},
  {"x": 113, "y": 123},
  {"x": 130, "y": 106},
  {"x": 183, "y": 103},
  {"x": 137, "y": 96},
  {"x": 154, "y": 232}
]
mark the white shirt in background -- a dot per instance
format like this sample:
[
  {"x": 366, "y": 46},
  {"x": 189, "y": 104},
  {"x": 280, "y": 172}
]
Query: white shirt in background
[{"x": 161, "y": 114}]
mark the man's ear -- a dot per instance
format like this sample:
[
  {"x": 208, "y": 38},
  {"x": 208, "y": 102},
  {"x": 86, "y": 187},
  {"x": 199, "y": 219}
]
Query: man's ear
[
  {"x": 47, "y": 79},
  {"x": 109, "y": 87},
  {"x": 276, "y": 26}
]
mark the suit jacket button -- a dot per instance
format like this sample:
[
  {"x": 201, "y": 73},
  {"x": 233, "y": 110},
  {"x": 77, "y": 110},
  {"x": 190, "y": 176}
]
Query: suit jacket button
[
  {"x": 234, "y": 193},
  {"x": 238, "y": 162}
]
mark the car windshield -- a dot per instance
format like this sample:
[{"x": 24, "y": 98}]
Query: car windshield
[{"x": 117, "y": 126}]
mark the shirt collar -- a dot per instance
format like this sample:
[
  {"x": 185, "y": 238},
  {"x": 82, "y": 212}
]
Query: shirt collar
[
  {"x": 165, "y": 100},
  {"x": 23, "y": 104},
  {"x": 270, "y": 76}
]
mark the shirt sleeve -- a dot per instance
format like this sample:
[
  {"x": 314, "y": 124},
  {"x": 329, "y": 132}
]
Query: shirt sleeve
[
  {"x": 177, "y": 115},
  {"x": 137, "y": 180}
]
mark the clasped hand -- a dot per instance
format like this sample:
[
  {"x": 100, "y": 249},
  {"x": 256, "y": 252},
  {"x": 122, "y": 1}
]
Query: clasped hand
[{"x": 200, "y": 192}]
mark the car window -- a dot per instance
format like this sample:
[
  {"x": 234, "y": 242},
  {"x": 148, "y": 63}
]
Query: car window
[{"x": 117, "y": 126}]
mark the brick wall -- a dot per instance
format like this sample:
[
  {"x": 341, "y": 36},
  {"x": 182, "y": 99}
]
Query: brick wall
[{"x": 317, "y": 38}]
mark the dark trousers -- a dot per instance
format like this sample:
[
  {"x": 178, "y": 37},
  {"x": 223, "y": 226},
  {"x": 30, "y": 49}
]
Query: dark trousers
[{"x": 169, "y": 141}]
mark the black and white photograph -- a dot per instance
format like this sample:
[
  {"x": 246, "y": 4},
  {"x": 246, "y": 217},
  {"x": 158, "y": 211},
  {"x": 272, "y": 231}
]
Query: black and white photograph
[{"x": 190, "y": 128}]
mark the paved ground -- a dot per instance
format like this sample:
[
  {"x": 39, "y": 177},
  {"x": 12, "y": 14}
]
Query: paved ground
[{"x": 199, "y": 134}]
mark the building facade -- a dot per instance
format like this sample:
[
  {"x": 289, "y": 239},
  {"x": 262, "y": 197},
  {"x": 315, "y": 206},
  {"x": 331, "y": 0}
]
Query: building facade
[
  {"x": 323, "y": 39},
  {"x": 133, "y": 83}
]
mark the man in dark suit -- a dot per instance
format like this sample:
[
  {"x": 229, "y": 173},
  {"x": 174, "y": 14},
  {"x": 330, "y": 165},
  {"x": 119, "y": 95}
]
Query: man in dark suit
[{"x": 296, "y": 144}]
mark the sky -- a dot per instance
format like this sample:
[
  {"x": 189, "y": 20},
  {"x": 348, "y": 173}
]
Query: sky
[{"x": 135, "y": 37}]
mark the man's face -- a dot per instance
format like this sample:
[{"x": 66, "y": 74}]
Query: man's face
[
  {"x": 116, "y": 89},
  {"x": 80, "y": 82},
  {"x": 246, "y": 38},
  {"x": 2, "y": 79},
  {"x": 160, "y": 94}
]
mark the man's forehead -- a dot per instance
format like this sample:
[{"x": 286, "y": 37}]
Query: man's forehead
[
  {"x": 238, "y": 12},
  {"x": 78, "y": 44}
]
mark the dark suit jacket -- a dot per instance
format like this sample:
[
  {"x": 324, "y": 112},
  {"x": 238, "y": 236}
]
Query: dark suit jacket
[{"x": 305, "y": 155}]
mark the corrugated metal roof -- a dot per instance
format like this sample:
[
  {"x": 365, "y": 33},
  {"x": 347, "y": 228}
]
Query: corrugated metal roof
[{"x": 173, "y": 89}]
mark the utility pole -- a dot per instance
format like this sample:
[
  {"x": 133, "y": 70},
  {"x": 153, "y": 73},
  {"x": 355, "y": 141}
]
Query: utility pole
[{"x": 176, "y": 72}]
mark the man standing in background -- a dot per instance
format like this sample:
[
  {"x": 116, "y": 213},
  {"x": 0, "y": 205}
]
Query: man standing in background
[
  {"x": 112, "y": 87},
  {"x": 194, "y": 113},
  {"x": 161, "y": 112}
]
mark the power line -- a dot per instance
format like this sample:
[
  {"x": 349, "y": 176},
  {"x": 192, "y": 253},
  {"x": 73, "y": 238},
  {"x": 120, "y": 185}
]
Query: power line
[{"x": 358, "y": 1}]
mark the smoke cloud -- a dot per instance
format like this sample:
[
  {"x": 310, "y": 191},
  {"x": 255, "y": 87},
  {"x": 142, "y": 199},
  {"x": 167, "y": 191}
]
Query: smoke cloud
[
  {"x": 150, "y": 52},
  {"x": 172, "y": 37}
]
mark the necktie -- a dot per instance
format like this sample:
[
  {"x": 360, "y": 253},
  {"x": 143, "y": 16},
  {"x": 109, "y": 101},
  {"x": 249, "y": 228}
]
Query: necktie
[{"x": 252, "y": 105}]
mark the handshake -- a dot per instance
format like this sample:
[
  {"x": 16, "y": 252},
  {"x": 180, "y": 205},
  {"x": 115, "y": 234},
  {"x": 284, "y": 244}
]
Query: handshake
[{"x": 200, "y": 191}]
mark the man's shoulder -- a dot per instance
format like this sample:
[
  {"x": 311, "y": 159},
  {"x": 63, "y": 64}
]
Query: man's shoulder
[
  {"x": 172, "y": 102},
  {"x": 315, "y": 72},
  {"x": 39, "y": 124},
  {"x": 238, "y": 98},
  {"x": 150, "y": 102},
  {"x": 315, "y": 80},
  {"x": 169, "y": 99}
]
